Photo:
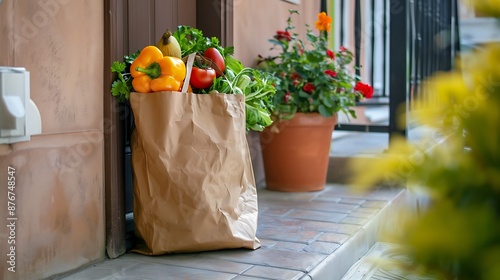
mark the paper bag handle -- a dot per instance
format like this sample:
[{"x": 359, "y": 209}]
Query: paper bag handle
[{"x": 189, "y": 67}]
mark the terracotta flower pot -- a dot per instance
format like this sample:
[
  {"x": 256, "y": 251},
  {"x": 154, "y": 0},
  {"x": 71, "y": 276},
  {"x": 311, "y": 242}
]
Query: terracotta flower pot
[{"x": 296, "y": 158}]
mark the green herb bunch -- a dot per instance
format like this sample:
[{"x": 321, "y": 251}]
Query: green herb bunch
[{"x": 122, "y": 85}]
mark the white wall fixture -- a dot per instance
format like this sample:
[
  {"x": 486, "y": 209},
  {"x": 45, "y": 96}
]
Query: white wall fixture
[{"x": 19, "y": 116}]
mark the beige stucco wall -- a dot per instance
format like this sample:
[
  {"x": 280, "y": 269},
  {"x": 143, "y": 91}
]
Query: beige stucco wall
[
  {"x": 59, "y": 174},
  {"x": 256, "y": 21}
]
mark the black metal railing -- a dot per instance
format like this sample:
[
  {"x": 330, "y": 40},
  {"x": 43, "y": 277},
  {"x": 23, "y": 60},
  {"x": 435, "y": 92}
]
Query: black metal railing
[
  {"x": 397, "y": 44},
  {"x": 435, "y": 41}
]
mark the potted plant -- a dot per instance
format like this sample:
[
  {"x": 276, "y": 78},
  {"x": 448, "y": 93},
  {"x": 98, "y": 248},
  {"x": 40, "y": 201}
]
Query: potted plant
[{"x": 313, "y": 83}]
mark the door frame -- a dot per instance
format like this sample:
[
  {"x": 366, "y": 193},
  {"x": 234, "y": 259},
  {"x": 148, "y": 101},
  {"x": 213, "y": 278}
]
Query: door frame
[
  {"x": 115, "y": 47},
  {"x": 114, "y": 189}
]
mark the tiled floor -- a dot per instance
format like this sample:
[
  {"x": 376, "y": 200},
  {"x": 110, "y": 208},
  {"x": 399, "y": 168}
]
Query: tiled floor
[{"x": 317, "y": 235}]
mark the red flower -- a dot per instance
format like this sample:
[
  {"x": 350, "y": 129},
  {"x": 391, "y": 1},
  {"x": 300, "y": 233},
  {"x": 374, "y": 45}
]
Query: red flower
[
  {"x": 295, "y": 76},
  {"x": 343, "y": 49},
  {"x": 365, "y": 89},
  {"x": 283, "y": 35},
  {"x": 288, "y": 97},
  {"x": 331, "y": 73},
  {"x": 330, "y": 54},
  {"x": 309, "y": 88}
]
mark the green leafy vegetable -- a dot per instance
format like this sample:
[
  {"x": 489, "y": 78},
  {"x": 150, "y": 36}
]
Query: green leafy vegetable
[
  {"x": 256, "y": 85},
  {"x": 258, "y": 100},
  {"x": 233, "y": 64},
  {"x": 192, "y": 40},
  {"x": 122, "y": 85}
]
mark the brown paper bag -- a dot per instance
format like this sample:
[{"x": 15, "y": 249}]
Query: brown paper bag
[{"x": 194, "y": 187}]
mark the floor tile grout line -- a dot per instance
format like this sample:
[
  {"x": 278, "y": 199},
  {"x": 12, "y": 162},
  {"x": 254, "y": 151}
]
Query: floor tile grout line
[{"x": 187, "y": 266}]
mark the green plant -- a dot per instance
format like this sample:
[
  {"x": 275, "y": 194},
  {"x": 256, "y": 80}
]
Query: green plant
[
  {"x": 457, "y": 236},
  {"x": 309, "y": 76}
]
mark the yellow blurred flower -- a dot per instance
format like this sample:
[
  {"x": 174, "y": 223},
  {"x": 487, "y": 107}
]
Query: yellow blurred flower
[
  {"x": 395, "y": 166},
  {"x": 488, "y": 7},
  {"x": 457, "y": 236}
]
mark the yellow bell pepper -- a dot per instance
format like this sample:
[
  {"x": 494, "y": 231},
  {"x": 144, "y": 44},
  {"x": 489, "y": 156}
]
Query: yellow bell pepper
[{"x": 153, "y": 72}]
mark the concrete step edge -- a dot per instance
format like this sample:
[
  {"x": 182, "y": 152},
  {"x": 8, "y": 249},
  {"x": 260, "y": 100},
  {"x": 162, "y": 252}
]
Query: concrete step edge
[{"x": 335, "y": 266}]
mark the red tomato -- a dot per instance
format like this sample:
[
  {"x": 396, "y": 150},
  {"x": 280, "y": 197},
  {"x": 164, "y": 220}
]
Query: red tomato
[
  {"x": 202, "y": 78},
  {"x": 216, "y": 57}
]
